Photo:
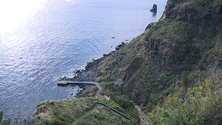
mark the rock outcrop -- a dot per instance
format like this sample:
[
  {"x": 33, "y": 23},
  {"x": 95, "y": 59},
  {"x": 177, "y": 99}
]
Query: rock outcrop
[
  {"x": 204, "y": 18},
  {"x": 194, "y": 11},
  {"x": 154, "y": 9}
]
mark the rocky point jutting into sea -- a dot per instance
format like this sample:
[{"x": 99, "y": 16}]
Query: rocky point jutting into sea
[{"x": 90, "y": 72}]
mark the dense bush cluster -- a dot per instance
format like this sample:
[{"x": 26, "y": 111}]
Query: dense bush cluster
[{"x": 201, "y": 105}]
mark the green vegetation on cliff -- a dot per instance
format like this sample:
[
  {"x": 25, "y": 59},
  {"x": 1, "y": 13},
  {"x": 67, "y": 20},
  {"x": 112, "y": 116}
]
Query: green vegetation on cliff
[
  {"x": 79, "y": 111},
  {"x": 172, "y": 58},
  {"x": 62, "y": 111},
  {"x": 104, "y": 116},
  {"x": 116, "y": 94},
  {"x": 197, "y": 107}
]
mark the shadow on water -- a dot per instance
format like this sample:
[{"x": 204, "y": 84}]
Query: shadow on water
[{"x": 154, "y": 15}]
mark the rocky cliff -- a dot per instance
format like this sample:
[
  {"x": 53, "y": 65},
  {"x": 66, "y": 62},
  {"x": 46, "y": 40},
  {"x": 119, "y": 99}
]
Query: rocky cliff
[{"x": 194, "y": 11}]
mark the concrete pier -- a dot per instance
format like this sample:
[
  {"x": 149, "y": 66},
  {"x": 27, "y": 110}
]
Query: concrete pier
[{"x": 65, "y": 83}]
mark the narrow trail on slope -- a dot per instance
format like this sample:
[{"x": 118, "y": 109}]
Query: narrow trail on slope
[{"x": 141, "y": 113}]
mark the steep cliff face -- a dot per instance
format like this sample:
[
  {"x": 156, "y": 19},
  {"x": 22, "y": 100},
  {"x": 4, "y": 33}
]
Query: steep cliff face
[
  {"x": 170, "y": 44},
  {"x": 193, "y": 27},
  {"x": 194, "y": 11},
  {"x": 186, "y": 40}
]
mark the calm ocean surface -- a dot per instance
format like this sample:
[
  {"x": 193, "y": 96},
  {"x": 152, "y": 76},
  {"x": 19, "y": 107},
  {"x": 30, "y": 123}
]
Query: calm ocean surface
[{"x": 47, "y": 39}]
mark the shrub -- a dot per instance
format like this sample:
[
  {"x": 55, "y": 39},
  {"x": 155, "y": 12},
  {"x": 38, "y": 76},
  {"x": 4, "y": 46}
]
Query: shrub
[
  {"x": 98, "y": 116},
  {"x": 45, "y": 122},
  {"x": 5, "y": 122},
  {"x": 56, "y": 122},
  {"x": 196, "y": 107}
]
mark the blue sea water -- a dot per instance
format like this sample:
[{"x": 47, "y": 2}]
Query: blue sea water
[{"x": 59, "y": 37}]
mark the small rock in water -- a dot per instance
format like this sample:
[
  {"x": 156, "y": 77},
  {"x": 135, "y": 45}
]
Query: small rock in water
[{"x": 154, "y": 9}]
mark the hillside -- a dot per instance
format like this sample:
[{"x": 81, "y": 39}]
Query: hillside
[
  {"x": 79, "y": 111},
  {"x": 179, "y": 52},
  {"x": 172, "y": 71}
]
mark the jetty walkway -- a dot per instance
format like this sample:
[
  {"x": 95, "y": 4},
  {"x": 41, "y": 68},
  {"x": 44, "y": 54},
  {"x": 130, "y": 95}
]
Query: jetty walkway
[{"x": 66, "y": 82}]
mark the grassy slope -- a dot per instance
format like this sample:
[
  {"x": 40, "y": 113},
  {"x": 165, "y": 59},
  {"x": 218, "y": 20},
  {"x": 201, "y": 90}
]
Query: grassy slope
[
  {"x": 104, "y": 116},
  {"x": 69, "y": 111},
  {"x": 62, "y": 111}
]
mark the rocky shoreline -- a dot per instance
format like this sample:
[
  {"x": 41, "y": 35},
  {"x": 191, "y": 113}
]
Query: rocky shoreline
[{"x": 90, "y": 72}]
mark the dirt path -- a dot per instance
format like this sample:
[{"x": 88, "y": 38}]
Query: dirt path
[{"x": 141, "y": 113}]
